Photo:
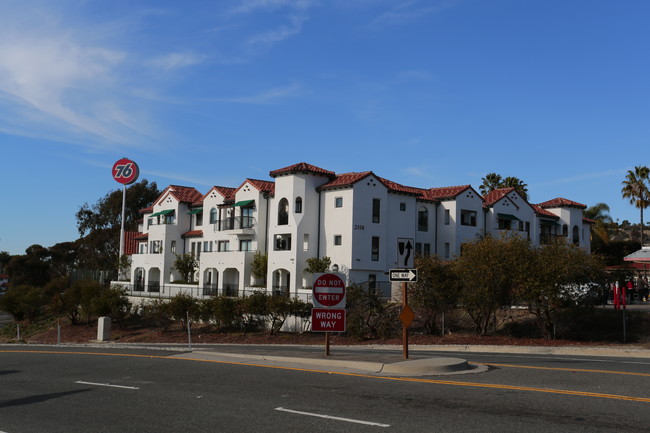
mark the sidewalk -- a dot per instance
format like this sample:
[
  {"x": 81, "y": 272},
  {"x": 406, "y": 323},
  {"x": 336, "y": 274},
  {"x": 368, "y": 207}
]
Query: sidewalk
[{"x": 388, "y": 360}]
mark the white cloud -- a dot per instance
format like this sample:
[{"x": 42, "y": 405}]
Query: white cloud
[
  {"x": 65, "y": 82},
  {"x": 278, "y": 35},
  {"x": 177, "y": 60},
  {"x": 266, "y": 97},
  {"x": 250, "y": 6},
  {"x": 409, "y": 11}
]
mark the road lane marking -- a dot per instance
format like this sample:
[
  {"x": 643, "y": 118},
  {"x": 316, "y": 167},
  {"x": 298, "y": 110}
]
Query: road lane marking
[
  {"x": 107, "y": 385},
  {"x": 581, "y": 370},
  {"x": 369, "y": 376},
  {"x": 336, "y": 418}
]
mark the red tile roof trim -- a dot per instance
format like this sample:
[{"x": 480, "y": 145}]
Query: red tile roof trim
[
  {"x": 544, "y": 213},
  {"x": 445, "y": 193},
  {"x": 562, "y": 202},
  {"x": 193, "y": 234},
  {"x": 302, "y": 167}
]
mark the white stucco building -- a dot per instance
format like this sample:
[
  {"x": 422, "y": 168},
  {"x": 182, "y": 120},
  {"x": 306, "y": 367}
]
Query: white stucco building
[{"x": 355, "y": 219}]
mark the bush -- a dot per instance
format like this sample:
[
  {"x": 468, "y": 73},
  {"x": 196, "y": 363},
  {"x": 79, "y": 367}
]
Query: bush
[
  {"x": 180, "y": 305},
  {"x": 157, "y": 312},
  {"x": 24, "y": 302},
  {"x": 370, "y": 317},
  {"x": 112, "y": 303}
]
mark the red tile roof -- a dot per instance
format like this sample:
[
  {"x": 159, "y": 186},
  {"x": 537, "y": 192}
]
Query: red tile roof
[
  {"x": 562, "y": 202},
  {"x": 345, "y": 180},
  {"x": 544, "y": 213},
  {"x": 131, "y": 242},
  {"x": 262, "y": 185},
  {"x": 146, "y": 210},
  {"x": 396, "y": 187},
  {"x": 193, "y": 234},
  {"x": 142, "y": 236},
  {"x": 494, "y": 196},
  {"x": 226, "y": 192},
  {"x": 444, "y": 193},
  {"x": 183, "y": 194},
  {"x": 302, "y": 167}
]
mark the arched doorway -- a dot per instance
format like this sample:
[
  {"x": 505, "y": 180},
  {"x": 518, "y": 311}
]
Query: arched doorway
[
  {"x": 281, "y": 282},
  {"x": 153, "y": 282},
  {"x": 210, "y": 281},
  {"x": 230, "y": 282}
]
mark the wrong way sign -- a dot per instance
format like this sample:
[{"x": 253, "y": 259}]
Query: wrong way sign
[{"x": 327, "y": 320}]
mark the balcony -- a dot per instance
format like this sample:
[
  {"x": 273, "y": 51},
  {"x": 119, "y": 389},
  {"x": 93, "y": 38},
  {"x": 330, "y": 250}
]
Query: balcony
[{"x": 242, "y": 225}]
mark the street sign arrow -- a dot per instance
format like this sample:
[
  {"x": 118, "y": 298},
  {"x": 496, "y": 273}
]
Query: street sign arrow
[{"x": 404, "y": 275}]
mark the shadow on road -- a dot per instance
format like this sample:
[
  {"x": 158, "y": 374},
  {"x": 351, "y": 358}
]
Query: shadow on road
[{"x": 38, "y": 398}]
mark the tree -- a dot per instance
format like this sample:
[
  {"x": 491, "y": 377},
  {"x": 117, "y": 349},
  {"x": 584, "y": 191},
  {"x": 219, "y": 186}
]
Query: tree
[
  {"x": 599, "y": 213},
  {"x": 99, "y": 224},
  {"x": 259, "y": 266},
  {"x": 517, "y": 184},
  {"x": 186, "y": 265},
  {"x": 435, "y": 291},
  {"x": 636, "y": 190},
  {"x": 493, "y": 181},
  {"x": 5, "y": 258},
  {"x": 490, "y": 270},
  {"x": 31, "y": 269},
  {"x": 62, "y": 258},
  {"x": 316, "y": 265},
  {"x": 556, "y": 276}
]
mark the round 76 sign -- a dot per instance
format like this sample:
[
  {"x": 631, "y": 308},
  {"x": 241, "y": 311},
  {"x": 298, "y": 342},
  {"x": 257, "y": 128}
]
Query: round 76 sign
[{"x": 329, "y": 291}]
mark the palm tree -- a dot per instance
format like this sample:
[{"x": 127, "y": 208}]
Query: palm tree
[
  {"x": 599, "y": 213},
  {"x": 635, "y": 188},
  {"x": 491, "y": 181},
  {"x": 517, "y": 184}
]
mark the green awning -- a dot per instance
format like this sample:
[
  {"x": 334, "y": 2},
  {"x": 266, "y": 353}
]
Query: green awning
[
  {"x": 163, "y": 212},
  {"x": 507, "y": 216},
  {"x": 549, "y": 222},
  {"x": 195, "y": 211},
  {"x": 244, "y": 203}
]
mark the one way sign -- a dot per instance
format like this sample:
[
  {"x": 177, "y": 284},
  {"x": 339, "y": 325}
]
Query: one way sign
[{"x": 404, "y": 275}]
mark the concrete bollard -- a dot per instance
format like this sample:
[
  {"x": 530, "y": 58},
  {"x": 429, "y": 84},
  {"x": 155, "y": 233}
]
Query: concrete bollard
[{"x": 103, "y": 329}]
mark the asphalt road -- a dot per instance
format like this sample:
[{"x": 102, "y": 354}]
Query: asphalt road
[{"x": 66, "y": 389}]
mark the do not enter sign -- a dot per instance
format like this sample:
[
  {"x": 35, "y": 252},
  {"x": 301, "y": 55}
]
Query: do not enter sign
[{"x": 329, "y": 291}]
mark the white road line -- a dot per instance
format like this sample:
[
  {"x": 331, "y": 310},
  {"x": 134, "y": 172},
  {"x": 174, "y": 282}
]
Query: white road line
[
  {"x": 376, "y": 424},
  {"x": 106, "y": 384}
]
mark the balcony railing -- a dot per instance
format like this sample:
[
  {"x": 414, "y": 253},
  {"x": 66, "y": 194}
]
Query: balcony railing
[{"x": 235, "y": 223}]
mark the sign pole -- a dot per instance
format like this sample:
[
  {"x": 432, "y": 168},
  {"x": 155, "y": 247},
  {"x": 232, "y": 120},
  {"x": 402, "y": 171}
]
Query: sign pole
[
  {"x": 405, "y": 330},
  {"x": 327, "y": 344},
  {"x": 122, "y": 221},
  {"x": 125, "y": 172}
]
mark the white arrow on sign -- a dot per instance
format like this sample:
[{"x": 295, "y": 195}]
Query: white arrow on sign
[{"x": 403, "y": 275}]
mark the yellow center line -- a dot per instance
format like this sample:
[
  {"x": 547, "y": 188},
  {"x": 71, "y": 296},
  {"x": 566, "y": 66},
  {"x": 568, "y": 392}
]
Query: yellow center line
[
  {"x": 581, "y": 370},
  {"x": 369, "y": 376}
]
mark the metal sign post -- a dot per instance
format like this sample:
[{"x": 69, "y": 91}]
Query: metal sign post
[
  {"x": 125, "y": 172},
  {"x": 406, "y": 316},
  {"x": 328, "y": 314}
]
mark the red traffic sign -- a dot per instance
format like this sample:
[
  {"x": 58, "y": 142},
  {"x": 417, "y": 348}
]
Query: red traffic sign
[
  {"x": 328, "y": 291},
  {"x": 327, "y": 320},
  {"x": 125, "y": 171}
]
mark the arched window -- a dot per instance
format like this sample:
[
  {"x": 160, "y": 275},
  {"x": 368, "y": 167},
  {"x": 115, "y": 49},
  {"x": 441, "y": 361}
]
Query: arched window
[
  {"x": 565, "y": 230},
  {"x": 298, "y": 207},
  {"x": 423, "y": 219},
  {"x": 283, "y": 212},
  {"x": 576, "y": 235},
  {"x": 213, "y": 215}
]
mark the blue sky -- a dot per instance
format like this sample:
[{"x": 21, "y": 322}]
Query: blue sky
[{"x": 424, "y": 93}]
